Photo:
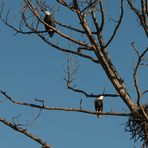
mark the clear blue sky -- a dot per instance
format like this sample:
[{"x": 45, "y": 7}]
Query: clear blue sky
[{"x": 31, "y": 69}]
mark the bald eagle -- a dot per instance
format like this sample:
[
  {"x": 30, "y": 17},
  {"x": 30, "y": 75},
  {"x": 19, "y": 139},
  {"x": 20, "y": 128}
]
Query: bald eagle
[
  {"x": 98, "y": 103},
  {"x": 50, "y": 21}
]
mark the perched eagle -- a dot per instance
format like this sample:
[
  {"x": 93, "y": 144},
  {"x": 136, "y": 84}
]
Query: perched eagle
[
  {"x": 98, "y": 103},
  {"x": 50, "y": 21}
]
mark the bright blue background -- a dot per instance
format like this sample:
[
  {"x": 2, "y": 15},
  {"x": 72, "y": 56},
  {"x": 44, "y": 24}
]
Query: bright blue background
[{"x": 31, "y": 69}]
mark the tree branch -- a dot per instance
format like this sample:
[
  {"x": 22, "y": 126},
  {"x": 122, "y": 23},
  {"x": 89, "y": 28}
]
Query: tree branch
[
  {"x": 72, "y": 28},
  {"x": 92, "y": 95},
  {"x": 117, "y": 26},
  {"x": 24, "y": 132},
  {"x": 62, "y": 108},
  {"x": 68, "y": 51},
  {"x": 95, "y": 22},
  {"x": 90, "y": 5},
  {"x": 141, "y": 14},
  {"x": 140, "y": 58},
  {"x": 102, "y": 16},
  {"x": 139, "y": 93}
]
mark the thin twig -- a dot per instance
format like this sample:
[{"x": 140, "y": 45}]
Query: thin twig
[{"x": 117, "y": 26}]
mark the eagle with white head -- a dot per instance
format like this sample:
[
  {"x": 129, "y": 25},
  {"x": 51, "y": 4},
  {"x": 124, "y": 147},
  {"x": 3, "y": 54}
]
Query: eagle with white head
[
  {"x": 50, "y": 21},
  {"x": 98, "y": 103}
]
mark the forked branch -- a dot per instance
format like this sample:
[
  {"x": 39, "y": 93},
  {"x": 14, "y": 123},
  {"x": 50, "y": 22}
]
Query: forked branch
[
  {"x": 139, "y": 93},
  {"x": 141, "y": 13}
]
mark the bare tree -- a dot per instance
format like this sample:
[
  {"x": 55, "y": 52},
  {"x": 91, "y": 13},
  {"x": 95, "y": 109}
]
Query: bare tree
[{"x": 88, "y": 42}]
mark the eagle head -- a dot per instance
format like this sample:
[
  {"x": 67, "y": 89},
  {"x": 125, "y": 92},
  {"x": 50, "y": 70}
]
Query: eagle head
[
  {"x": 101, "y": 98},
  {"x": 47, "y": 13}
]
